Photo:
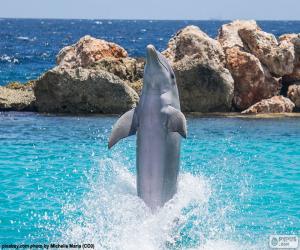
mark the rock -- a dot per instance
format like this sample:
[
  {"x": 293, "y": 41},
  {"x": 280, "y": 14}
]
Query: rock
[
  {"x": 16, "y": 99},
  {"x": 67, "y": 57},
  {"x": 278, "y": 57},
  {"x": 81, "y": 90},
  {"x": 203, "y": 87},
  {"x": 294, "y": 94},
  {"x": 229, "y": 33},
  {"x": 252, "y": 81},
  {"x": 22, "y": 86},
  {"x": 198, "y": 62},
  {"x": 96, "y": 54},
  {"x": 87, "y": 51},
  {"x": 193, "y": 43},
  {"x": 276, "y": 104},
  {"x": 92, "y": 76},
  {"x": 293, "y": 39},
  {"x": 128, "y": 69}
]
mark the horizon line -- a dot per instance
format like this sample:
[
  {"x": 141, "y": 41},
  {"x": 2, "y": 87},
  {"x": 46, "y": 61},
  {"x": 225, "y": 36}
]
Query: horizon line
[{"x": 140, "y": 19}]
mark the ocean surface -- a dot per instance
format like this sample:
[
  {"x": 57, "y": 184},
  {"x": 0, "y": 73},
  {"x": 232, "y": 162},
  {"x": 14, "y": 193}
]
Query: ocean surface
[
  {"x": 28, "y": 46},
  {"x": 239, "y": 183},
  {"x": 239, "y": 179}
]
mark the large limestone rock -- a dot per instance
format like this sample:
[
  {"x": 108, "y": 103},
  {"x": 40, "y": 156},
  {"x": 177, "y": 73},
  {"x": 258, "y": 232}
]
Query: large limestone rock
[
  {"x": 93, "y": 53},
  {"x": 194, "y": 43},
  {"x": 278, "y": 57},
  {"x": 203, "y": 87},
  {"x": 252, "y": 81},
  {"x": 83, "y": 91},
  {"x": 17, "y": 97},
  {"x": 294, "y": 94},
  {"x": 92, "y": 76},
  {"x": 229, "y": 33},
  {"x": 276, "y": 104},
  {"x": 87, "y": 51},
  {"x": 28, "y": 86},
  {"x": 293, "y": 39},
  {"x": 130, "y": 70},
  {"x": 204, "y": 84}
]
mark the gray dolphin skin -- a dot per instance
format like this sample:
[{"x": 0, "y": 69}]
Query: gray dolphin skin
[{"x": 159, "y": 125}]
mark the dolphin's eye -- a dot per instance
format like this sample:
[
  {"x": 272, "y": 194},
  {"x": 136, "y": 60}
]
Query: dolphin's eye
[{"x": 172, "y": 78}]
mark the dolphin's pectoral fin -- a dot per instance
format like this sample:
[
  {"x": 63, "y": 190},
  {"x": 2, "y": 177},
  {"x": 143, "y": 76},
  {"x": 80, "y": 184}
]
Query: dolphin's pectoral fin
[
  {"x": 125, "y": 126},
  {"x": 176, "y": 121}
]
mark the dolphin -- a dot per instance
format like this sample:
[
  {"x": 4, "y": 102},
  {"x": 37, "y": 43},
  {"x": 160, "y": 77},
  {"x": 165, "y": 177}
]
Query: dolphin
[{"x": 159, "y": 124}]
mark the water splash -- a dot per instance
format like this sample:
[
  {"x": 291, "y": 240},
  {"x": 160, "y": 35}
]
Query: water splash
[{"x": 112, "y": 216}]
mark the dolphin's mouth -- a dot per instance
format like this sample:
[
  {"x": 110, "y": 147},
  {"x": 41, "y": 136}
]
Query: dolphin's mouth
[{"x": 151, "y": 53}]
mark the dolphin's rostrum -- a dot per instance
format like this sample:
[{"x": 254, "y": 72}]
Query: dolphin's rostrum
[{"x": 159, "y": 123}]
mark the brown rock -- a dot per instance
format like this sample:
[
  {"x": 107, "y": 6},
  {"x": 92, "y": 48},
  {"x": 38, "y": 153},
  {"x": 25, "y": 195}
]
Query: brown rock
[
  {"x": 67, "y": 57},
  {"x": 87, "y": 51},
  {"x": 294, "y": 94},
  {"x": 96, "y": 54},
  {"x": 276, "y": 104},
  {"x": 293, "y": 39},
  {"x": 22, "y": 86},
  {"x": 198, "y": 61},
  {"x": 92, "y": 76},
  {"x": 203, "y": 87},
  {"x": 193, "y": 43},
  {"x": 128, "y": 69},
  {"x": 16, "y": 99},
  {"x": 80, "y": 90},
  {"x": 278, "y": 57},
  {"x": 229, "y": 33},
  {"x": 252, "y": 81}
]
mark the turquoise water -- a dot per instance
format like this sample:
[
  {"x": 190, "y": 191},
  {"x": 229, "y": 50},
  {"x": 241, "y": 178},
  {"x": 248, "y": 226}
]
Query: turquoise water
[{"x": 239, "y": 183}]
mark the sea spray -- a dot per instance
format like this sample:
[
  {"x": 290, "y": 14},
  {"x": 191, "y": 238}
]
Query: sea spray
[{"x": 113, "y": 217}]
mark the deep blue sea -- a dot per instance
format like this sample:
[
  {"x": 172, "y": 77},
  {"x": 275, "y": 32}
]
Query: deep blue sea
[
  {"x": 28, "y": 46},
  {"x": 239, "y": 179}
]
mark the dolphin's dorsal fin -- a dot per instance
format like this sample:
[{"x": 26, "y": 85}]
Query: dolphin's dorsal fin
[
  {"x": 125, "y": 126},
  {"x": 176, "y": 121}
]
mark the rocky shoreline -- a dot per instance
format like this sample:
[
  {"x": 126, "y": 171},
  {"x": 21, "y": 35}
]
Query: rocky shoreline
[{"x": 244, "y": 70}]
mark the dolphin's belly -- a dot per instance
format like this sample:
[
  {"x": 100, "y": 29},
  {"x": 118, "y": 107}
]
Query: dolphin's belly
[{"x": 157, "y": 157}]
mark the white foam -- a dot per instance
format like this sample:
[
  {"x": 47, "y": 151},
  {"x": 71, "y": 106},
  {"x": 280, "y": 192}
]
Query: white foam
[
  {"x": 26, "y": 38},
  {"x": 113, "y": 217},
  {"x": 23, "y": 37},
  {"x": 10, "y": 59}
]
